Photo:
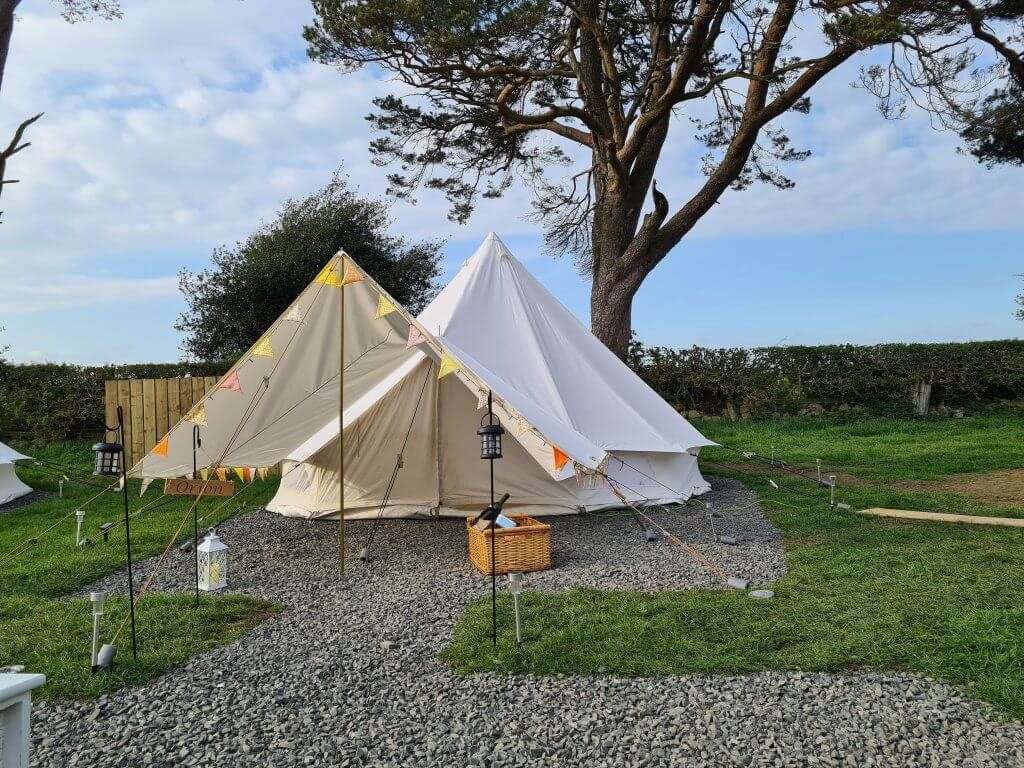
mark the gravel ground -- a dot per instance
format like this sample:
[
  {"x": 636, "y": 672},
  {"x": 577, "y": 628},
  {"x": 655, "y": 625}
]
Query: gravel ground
[
  {"x": 24, "y": 501},
  {"x": 348, "y": 675}
]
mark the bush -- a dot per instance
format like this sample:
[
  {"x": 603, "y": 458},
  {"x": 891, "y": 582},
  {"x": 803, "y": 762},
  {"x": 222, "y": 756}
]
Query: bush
[
  {"x": 782, "y": 379},
  {"x": 53, "y": 401}
]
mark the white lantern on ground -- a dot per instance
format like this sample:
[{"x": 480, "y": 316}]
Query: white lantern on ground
[{"x": 213, "y": 563}]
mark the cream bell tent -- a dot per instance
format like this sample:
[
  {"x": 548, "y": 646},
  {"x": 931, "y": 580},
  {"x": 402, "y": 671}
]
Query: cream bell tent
[
  {"x": 11, "y": 487},
  {"x": 574, "y": 414}
]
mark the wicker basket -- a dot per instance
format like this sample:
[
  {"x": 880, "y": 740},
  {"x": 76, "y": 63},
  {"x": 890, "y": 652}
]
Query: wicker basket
[{"x": 527, "y": 547}]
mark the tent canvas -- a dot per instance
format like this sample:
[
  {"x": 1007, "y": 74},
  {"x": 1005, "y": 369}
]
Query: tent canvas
[
  {"x": 11, "y": 487},
  {"x": 417, "y": 383}
]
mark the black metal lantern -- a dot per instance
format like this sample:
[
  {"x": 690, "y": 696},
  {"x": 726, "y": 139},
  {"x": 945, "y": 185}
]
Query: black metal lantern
[
  {"x": 108, "y": 459},
  {"x": 490, "y": 436}
]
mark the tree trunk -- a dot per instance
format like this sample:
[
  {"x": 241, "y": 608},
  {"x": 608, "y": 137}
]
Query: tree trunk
[{"x": 611, "y": 312}]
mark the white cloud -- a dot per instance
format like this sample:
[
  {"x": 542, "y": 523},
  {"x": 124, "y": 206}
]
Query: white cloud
[{"x": 62, "y": 292}]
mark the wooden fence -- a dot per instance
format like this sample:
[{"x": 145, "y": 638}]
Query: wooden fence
[{"x": 151, "y": 408}]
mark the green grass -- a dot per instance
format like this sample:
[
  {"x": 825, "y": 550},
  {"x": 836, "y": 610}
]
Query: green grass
[
  {"x": 880, "y": 448},
  {"x": 49, "y": 633},
  {"x": 939, "y": 600}
]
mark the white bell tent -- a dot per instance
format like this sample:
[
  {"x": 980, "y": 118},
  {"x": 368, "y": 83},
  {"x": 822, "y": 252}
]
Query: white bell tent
[
  {"x": 11, "y": 487},
  {"x": 582, "y": 430}
]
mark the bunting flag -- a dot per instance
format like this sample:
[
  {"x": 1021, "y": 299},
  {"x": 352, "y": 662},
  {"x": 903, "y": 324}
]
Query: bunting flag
[
  {"x": 294, "y": 315},
  {"x": 231, "y": 382},
  {"x": 352, "y": 275},
  {"x": 263, "y": 348},
  {"x": 222, "y": 473},
  {"x": 415, "y": 337},
  {"x": 198, "y": 415},
  {"x": 243, "y": 474},
  {"x": 523, "y": 426},
  {"x": 160, "y": 449},
  {"x": 448, "y": 365},
  {"x": 204, "y": 474},
  {"x": 384, "y": 307},
  {"x": 253, "y": 473},
  {"x": 263, "y": 472},
  {"x": 145, "y": 486},
  {"x": 481, "y": 398},
  {"x": 560, "y": 458},
  {"x": 328, "y": 276}
]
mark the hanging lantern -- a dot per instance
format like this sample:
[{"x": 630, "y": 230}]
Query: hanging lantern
[
  {"x": 108, "y": 459},
  {"x": 213, "y": 563},
  {"x": 490, "y": 436}
]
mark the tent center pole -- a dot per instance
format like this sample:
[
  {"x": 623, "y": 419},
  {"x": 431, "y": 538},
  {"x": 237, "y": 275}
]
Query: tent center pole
[{"x": 341, "y": 416}]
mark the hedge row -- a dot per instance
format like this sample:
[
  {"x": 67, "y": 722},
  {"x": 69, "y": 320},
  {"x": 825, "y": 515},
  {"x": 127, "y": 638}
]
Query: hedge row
[
  {"x": 52, "y": 401},
  {"x": 782, "y": 379}
]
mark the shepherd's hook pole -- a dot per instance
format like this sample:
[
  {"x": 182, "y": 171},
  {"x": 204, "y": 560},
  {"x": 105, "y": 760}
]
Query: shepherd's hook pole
[
  {"x": 127, "y": 528},
  {"x": 494, "y": 530}
]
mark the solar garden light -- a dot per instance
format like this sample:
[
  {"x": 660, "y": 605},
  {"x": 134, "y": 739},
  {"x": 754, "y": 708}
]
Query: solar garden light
[
  {"x": 97, "y": 599},
  {"x": 79, "y": 517},
  {"x": 213, "y": 563},
  {"x": 111, "y": 462},
  {"x": 515, "y": 586},
  {"x": 490, "y": 449}
]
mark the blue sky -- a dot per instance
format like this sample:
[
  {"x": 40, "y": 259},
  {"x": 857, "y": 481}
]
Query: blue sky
[{"x": 163, "y": 138}]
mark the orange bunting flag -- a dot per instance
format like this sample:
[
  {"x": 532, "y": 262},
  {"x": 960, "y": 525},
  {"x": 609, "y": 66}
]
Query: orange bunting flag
[
  {"x": 198, "y": 415},
  {"x": 243, "y": 474},
  {"x": 263, "y": 348},
  {"x": 231, "y": 382},
  {"x": 160, "y": 449},
  {"x": 560, "y": 458},
  {"x": 415, "y": 337},
  {"x": 384, "y": 307},
  {"x": 352, "y": 275},
  {"x": 222, "y": 473},
  {"x": 448, "y": 365}
]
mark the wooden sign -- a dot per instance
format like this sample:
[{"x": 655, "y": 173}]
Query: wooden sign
[{"x": 182, "y": 486}]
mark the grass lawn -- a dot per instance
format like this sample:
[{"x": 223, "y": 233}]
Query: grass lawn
[
  {"x": 940, "y": 600},
  {"x": 50, "y": 633}
]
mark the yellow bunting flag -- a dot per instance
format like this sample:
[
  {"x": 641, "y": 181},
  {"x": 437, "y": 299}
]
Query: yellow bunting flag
[
  {"x": 198, "y": 415},
  {"x": 560, "y": 458},
  {"x": 243, "y": 474},
  {"x": 448, "y": 365},
  {"x": 231, "y": 382},
  {"x": 160, "y": 449},
  {"x": 294, "y": 315},
  {"x": 415, "y": 337},
  {"x": 263, "y": 348},
  {"x": 222, "y": 473},
  {"x": 204, "y": 474},
  {"x": 352, "y": 275},
  {"x": 384, "y": 307},
  {"x": 328, "y": 276}
]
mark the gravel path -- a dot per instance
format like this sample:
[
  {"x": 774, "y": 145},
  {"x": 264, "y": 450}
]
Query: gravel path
[
  {"x": 348, "y": 675},
  {"x": 24, "y": 501}
]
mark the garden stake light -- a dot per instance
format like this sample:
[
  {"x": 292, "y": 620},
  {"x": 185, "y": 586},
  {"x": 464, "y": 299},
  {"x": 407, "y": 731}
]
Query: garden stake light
[
  {"x": 110, "y": 462},
  {"x": 97, "y": 599},
  {"x": 515, "y": 586}
]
